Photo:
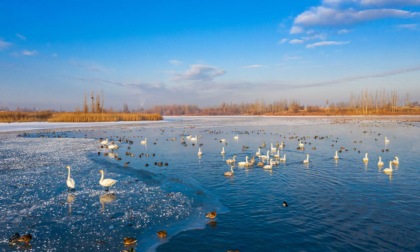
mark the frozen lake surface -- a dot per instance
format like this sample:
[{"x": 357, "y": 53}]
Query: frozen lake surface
[{"x": 333, "y": 205}]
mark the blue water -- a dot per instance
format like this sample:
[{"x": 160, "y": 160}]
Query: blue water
[{"x": 344, "y": 205}]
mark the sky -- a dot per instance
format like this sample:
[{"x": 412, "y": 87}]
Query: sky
[{"x": 152, "y": 52}]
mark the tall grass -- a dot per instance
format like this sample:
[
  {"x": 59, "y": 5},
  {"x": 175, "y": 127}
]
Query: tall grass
[
  {"x": 102, "y": 117},
  {"x": 20, "y": 116}
]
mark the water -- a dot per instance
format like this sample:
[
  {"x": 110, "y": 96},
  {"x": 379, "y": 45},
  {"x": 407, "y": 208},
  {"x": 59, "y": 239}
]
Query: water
[{"x": 343, "y": 205}]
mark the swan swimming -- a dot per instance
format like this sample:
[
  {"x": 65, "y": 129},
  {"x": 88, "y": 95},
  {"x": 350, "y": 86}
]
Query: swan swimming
[
  {"x": 277, "y": 156},
  {"x": 306, "y": 161},
  {"x": 283, "y": 159},
  {"x": 336, "y": 155},
  {"x": 231, "y": 161},
  {"x": 229, "y": 173},
  {"x": 366, "y": 159},
  {"x": 104, "y": 142},
  {"x": 269, "y": 166},
  {"x": 243, "y": 163},
  {"x": 144, "y": 142},
  {"x": 200, "y": 153},
  {"x": 70, "y": 182},
  {"x": 223, "y": 151},
  {"x": 396, "y": 161},
  {"x": 273, "y": 149},
  {"x": 258, "y": 153},
  {"x": 380, "y": 163},
  {"x": 106, "y": 182},
  {"x": 389, "y": 169},
  {"x": 301, "y": 145},
  {"x": 236, "y": 137},
  {"x": 386, "y": 140}
]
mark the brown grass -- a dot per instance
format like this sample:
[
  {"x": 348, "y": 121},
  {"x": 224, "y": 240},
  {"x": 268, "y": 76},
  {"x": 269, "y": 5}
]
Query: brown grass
[
  {"x": 19, "y": 116},
  {"x": 102, "y": 117}
]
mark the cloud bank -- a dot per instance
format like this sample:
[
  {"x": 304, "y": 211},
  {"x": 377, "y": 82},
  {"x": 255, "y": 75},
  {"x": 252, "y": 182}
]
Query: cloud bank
[{"x": 199, "y": 73}]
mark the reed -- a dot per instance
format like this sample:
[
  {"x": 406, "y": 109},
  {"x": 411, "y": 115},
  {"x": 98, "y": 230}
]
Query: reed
[
  {"x": 21, "y": 116},
  {"x": 102, "y": 117}
]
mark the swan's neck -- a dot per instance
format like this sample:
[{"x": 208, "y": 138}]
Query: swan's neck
[
  {"x": 68, "y": 177},
  {"x": 102, "y": 177}
]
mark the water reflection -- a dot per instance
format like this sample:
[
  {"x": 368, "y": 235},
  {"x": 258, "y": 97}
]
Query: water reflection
[
  {"x": 106, "y": 198},
  {"x": 70, "y": 200}
]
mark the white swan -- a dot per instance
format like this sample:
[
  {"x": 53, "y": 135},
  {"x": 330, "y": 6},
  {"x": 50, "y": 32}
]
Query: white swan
[
  {"x": 301, "y": 145},
  {"x": 231, "y": 161},
  {"x": 144, "y": 142},
  {"x": 336, "y": 155},
  {"x": 283, "y": 159},
  {"x": 243, "y": 163},
  {"x": 277, "y": 156},
  {"x": 306, "y": 161},
  {"x": 396, "y": 161},
  {"x": 273, "y": 149},
  {"x": 236, "y": 137},
  {"x": 281, "y": 146},
  {"x": 104, "y": 142},
  {"x": 380, "y": 163},
  {"x": 386, "y": 140},
  {"x": 223, "y": 151},
  {"x": 106, "y": 182},
  {"x": 263, "y": 157},
  {"x": 389, "y": 169},
  {"x": 366, "y": 159},
  {"x": 269, "y": 166},
  {"x": 200, "y": 153},
  {"x": 258, "y": 153},
  {"x": 229, "y": 173},
  {"x": 194, "y": 139},
  {"x": 113, "y": 147},
  {"x": 70, "y": 182}
]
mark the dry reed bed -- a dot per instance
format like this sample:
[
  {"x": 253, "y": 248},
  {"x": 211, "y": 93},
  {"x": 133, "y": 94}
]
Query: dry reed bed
[{"x": 20, "y": 116}]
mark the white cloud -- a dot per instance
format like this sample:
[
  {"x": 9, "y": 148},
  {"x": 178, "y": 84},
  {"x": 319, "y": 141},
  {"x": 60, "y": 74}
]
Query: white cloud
[
  {"x": 175, "y": 62},
  {"x": 29, "y": 52},
  {"x": 407, "y": 26},
  {"x": 20, "y": 36},
  {"x": 327, "y": 43},
  {"x": 199, "y": 73},
  {"x": 296, "y": 41},
  {"x": 344, "y": 31},
  {"x": 4, "y": 44},
  {"x": 372, "y": 2},
  {"x": 253, "y": 66}
]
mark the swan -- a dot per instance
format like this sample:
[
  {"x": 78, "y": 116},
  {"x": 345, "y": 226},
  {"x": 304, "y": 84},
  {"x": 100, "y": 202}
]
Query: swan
[
  {"x": 386, "y": 140},
  {"x": 106, "y": 182},
  {"x": 273, "y": 149},
  {"x": 283, "y": 159},
  {"x": 200, "y": 153},
  {"x": 222, "y": 140},
  {"x": 243, "y": 163},
  {"x": 396, "y": 161},
  {"x": 265, "y": 156},
  {"x": 144, "y": 142},
  {"x": 336, "y": 155},
  {"x": 306, "y": 161},
  {"x": 236, "y": 137},
  {"x": 229, "y": 173},
  {"x": 281, "y": 146},
  {"x": 389, "y": 169},
  {"x": 231, "y": 161},
  {"x": 269, "y": 166},
  {"x": 277, "y": 156},
  {"x": 194, "y": 139},
  {"x": 104, "y": 142},
  {"x": 366, "y": 159},
  {"x": 301, "y": 145},
  {"x": 380, "y": 163},
  {"x": 258, "y": 153},
  {"x": 113, "y": 147},
  {"x": 70, "y": 182},
  {"x": 223, "y": 151}
]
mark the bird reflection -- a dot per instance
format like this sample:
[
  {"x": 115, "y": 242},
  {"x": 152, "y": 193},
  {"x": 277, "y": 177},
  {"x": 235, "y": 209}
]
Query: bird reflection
[
  {"x": 70, "y": 200},
  {"x": 212, "y": 223},
  {"x": 106, "y": 198}
]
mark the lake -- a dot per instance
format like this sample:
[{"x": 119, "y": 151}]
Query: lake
[{"x": 333, "y": 205}]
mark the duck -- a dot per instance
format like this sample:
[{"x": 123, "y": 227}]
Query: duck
[
  {"x": 366, "y": 159},
  {"x": 389, "y": 169},
  {"x": 285, "y": 204},
  {"x": 229, "y": 173},
  {"x": 106, "y": 182},
  {"x": 231, "y": 161},
  {"x": 336, "y": 155},
  {"x": 14, "y": 238},
  {"x": 211, "y": 215},
  {"x": 306, "y": 161},
  {"x": 70, "y": 182},
  {"x": 129, "y": 240},
  {"x": 25, "y": 238},
  {"x": 200, "y": 153},
  {"x": 162, "y": 233},
  {"x": 380, "y": 163},
  {"x": 223, "y": 151},
  {"x": 396, "y": 161}
]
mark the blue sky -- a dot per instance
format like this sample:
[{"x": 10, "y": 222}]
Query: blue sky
[{"x": 145, "y": 53}]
